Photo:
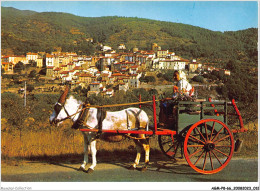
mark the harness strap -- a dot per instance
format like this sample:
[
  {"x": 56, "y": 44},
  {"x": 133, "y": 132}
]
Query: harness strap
[
  {"x": 100, "y": 117},
  {"x": 69, "y": 116},
  {"x": 127, "y": 120},
  {"x": 66, "y": 111}
]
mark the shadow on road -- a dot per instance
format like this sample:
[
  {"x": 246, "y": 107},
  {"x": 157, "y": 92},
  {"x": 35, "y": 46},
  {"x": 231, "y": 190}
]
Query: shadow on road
[{"x": 158, "y": 162}]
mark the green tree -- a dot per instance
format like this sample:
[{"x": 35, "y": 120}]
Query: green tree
[
  {"x": 150, "y": 78},
  {"x": 19, "y": 67},
  {"x": 78, "y": 89},
  {"x": 198, "y": 79},
  {"x": 233, "y": 66},
  {"x": 153, "y": 92},
  {"x": 32, "y": 74},
  {"x": 32, "y": 63},
  {"x": 29, "y": 87},
  {"x": 169, "y": 75}
]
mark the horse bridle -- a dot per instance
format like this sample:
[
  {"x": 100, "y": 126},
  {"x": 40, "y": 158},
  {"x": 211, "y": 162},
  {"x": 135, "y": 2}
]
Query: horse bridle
[{"x": 57, "y": 108}]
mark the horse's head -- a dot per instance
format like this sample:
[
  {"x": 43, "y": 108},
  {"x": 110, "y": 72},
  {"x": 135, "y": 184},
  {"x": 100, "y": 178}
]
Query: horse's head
[{"x": 55, "y": 116}]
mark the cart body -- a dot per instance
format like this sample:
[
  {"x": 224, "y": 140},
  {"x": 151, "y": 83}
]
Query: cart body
[{"x": 202, "y": 133}]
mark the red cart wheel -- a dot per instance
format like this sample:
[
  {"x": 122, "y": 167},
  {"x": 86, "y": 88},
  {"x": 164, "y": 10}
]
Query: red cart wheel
[{"x": 208, "y": 146}]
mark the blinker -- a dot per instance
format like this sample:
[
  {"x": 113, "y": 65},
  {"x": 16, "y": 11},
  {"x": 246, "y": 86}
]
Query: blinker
[{"x": 57, "y": 107}]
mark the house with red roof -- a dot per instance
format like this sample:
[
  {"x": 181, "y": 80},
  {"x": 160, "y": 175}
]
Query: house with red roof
[
  {"x": 31, "y": 56},
  {"x": 56, "y": 72},
  {"x": 64, "y": 73},
  {"x": 94, "y": 88},
  {"x": 134, "y": 81},
  {"x": 63, "y": 59},
  {"x": 76, "y": 76},
  {"x": 110, "y": 80},
  {"x": 86, "y": 78},
  {"x": 49, "y": 60},
  {"x": 65, "y": 76},
  {"x": 123, "y": 86},
  {"x": 14, "y": 59},
  {"x": 70, "y": 66},
  {"x": 8, "y": 67},
  {"x": 49, "y": 71},
  {"x": 133, "y": 69},
  {"x": 162, "y": 53},
  {"x": 109, "y": 92},
  {"x": 172, "y": 64},
  {"x": 194, "y": 66},
  {"x": 64, "y": 67}
]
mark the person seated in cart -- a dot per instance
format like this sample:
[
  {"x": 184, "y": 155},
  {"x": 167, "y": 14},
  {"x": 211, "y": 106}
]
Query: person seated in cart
[{"x": 183, "y": 89}]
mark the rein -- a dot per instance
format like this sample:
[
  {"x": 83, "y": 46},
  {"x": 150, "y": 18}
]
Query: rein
[
  {"x": 122, "y": 104},
  {"x": 98, "y": 106},
  {"x": 70, "y": 116}
]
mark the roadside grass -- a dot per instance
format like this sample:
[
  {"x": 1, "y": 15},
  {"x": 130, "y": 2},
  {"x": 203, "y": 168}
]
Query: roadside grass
[
  {"x": 64, "y": 144},
  {"x": 67, "y": 146},
  {"x": 249, "y": 147}
]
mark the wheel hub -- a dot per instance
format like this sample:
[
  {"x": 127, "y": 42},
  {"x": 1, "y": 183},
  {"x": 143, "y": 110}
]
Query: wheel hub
[{"x": 209, "y": 146}]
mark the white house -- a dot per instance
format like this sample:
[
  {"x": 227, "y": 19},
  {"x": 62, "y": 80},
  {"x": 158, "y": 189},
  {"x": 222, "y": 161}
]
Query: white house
[
  {"x": 121, "y": 47},
  {"x": 106, "y": 71},
  {"x": 123, "y": 86},
  {"x": 31, "y": 56},
  {"x": 106, "y": 48},
  {"x": 49, "y": 60},
  {"x": 172, "y": 64},
  {"x": 109, "y": 92},
  {"x": 133, "y": 69},
  {"x": 94, "y": 88},
  {"x": 91, "y": 70},
  {"x": 134, "y": 80}
]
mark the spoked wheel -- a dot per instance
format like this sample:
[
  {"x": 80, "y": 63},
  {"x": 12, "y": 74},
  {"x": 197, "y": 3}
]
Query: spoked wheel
[
  {"x": 172, "y": 147},
  {"x": 208, "y": 146}
]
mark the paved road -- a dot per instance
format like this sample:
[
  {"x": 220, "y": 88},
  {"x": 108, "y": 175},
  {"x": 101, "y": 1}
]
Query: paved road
[{"x": 238, "y": 170}]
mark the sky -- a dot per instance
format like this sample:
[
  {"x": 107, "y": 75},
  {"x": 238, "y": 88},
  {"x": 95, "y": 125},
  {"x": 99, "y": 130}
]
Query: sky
[{"x": 213, "y": 15}]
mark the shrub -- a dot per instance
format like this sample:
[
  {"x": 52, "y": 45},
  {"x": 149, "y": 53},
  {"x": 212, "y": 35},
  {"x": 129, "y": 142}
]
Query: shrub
[
  {"x": 198, "y": 79},
  {"x": 78, "y": 89},
  {"x": 19, "y": 67},
  {"x": 159, "y": 75},
  {"x": 30, "y": 87},
  {"x": 32, "y": 74},
  {"x": 169, "y": 75}
]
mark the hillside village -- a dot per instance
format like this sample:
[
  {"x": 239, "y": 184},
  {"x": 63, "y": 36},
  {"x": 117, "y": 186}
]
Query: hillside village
[{"x": 108, "y": 71}]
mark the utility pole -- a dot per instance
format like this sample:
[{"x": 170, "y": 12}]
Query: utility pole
[{"x": 25, "y": 94}]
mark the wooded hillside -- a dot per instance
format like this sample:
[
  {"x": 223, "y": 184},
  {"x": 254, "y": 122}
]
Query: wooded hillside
[{"x": 25, "y": 31}]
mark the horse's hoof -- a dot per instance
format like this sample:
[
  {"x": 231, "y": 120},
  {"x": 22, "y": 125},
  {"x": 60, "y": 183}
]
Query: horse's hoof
[
  {"x": 131, "y": 168},
  {"x": 143, "y": 169},
  {"x": 81, "y": 168},
  {"x": 90, "y": 170}
]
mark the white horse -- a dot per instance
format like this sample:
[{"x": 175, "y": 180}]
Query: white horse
[{"x": 120, "y": 120}]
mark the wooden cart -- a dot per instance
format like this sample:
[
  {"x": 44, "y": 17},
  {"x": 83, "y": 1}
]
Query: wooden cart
[{"x": 201, "y": 133}]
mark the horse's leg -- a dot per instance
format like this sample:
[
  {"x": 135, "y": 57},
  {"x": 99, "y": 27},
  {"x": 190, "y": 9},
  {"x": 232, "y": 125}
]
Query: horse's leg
[
  {"x": 146, "y": 146},
  {"x": 138, "y": 154},
  {"x": 86, "y": 144},
  {"x": 93, "y": 151}
]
